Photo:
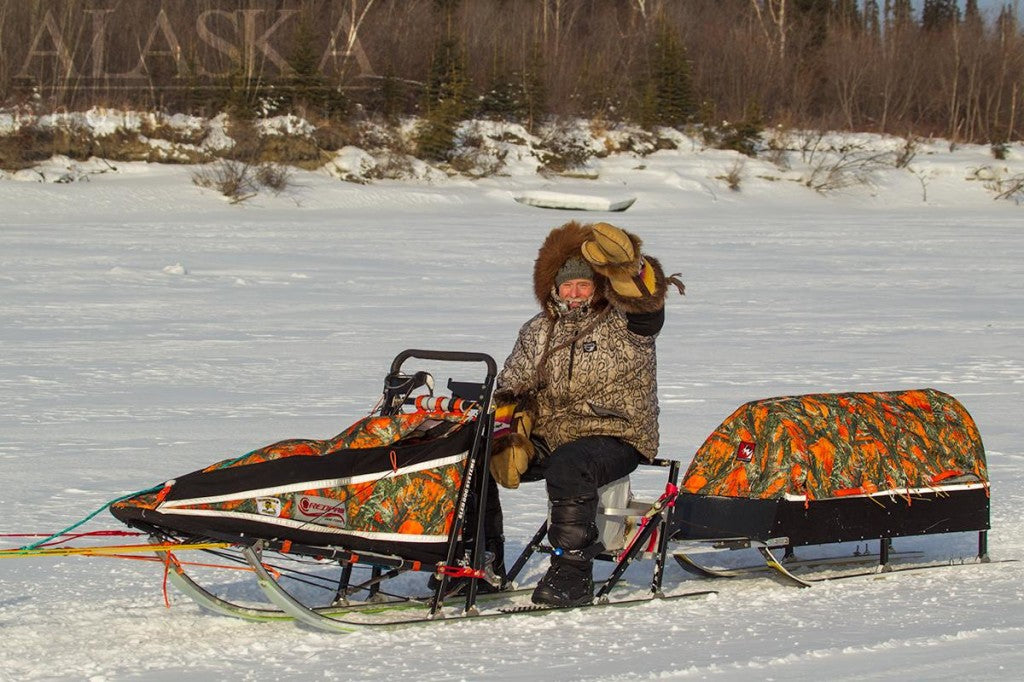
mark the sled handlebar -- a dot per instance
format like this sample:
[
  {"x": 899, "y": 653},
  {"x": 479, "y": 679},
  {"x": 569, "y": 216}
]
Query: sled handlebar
[{"x": 444, "y": 356}]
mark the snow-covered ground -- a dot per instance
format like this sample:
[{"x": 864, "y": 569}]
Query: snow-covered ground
[{"x": 150, "y": 328}]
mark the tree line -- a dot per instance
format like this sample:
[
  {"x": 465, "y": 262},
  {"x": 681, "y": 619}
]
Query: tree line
[{"x": 942, "y": 69}]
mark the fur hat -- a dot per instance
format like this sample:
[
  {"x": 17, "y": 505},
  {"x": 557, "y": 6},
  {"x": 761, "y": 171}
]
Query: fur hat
[{"x": 562, "y": 244}]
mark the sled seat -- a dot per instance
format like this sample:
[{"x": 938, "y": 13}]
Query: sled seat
[{"x": 620, "y": 513}]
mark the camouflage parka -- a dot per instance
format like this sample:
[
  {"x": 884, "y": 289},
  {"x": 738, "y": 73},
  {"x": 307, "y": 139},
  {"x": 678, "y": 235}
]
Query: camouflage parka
[{"x": 587, "y": 371}]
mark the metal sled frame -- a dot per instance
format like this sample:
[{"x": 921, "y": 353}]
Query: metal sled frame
[
  {"x": 382, "y": 566},
  {"x": 773, "y": 524},
  {"x": 648, "y": 540}
]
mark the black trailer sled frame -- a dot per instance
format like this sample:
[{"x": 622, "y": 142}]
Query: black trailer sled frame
[{"x": 770, "y": 526}]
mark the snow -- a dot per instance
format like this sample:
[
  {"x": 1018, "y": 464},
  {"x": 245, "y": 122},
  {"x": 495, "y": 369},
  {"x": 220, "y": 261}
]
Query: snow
[{"x": 151, "y": 328}]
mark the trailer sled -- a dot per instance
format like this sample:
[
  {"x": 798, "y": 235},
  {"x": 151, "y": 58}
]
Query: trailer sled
[{"x": 833, "y": 468}]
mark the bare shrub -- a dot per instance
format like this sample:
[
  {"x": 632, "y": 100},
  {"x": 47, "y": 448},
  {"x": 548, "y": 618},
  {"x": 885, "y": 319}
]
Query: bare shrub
[
  {"x": 275, "y": 177},
  {"x": 391, "y": 165},
  {"x": 907, "y": 152},
  {"x": 834, "y": 167},
  {"x": 1012, "y": 188},
  {"x": 25, "y": 147},
  {"x": 734, "y": 175},
  {"x": 475, "y": 156},
  {"x": 564, "y": 149},
  {"x": 234, "y": 179},
  {"x": 777, "y": 147}
]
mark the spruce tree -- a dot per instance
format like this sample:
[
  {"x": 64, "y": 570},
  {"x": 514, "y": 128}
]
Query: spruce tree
[
  {"x": 446, "y": 93},
  {"x": 872, "y": 23},
  {"x": 534, "y": 88},
  {"x": 307, "y": 87},
  {"x": 972, "y": 16},
  {"x": 902, "y": 14},
  {"x": 847, "y": 13},
  {"x": 939, "y": 14},
  {"x": 667, "y": 97},
  {"x": 816, "y": 15}
]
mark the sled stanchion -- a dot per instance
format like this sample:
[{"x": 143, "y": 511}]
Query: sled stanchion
[
  {"x": 375, "y": 573},
  {"x": 663, "y": 528},
  {"x": 983, "y": 546},
  {"x": 479, "y": 541},
  {"x": 344, "y": 580},
  {"x": 480, "y": 450},
  {"x": 531, "y": 548}
]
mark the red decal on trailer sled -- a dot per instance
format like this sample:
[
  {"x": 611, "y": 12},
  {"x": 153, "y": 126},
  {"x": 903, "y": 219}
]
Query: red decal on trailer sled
[{"x": 745, "y": 451}]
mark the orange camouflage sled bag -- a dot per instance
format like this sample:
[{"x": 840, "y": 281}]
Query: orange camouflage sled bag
[
  {"x": 385, "y": 484},
  {"x": 835, "y": 445},
  {"x": 840, "y": 467}
]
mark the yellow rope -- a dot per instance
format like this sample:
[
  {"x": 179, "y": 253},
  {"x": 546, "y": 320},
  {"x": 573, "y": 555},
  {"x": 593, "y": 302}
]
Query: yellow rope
[{"x": 111, "y": 549}]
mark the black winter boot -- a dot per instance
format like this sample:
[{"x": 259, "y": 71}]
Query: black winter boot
[
  {"x": 567, "y": 583},
  {"x": 572, "y": 533}
]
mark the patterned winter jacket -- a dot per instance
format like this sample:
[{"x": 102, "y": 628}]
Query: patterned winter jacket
[
  {"x": 587, "y": 372},
  {"x": 601, "y": 384}
]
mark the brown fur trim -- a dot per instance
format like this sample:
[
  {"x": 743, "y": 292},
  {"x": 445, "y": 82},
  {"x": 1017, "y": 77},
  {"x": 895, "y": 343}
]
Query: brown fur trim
[
  {"x": 644, "y": 304},
  {"x": 561, "y": 243}
]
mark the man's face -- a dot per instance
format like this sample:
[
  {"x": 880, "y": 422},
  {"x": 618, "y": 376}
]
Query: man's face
[{"x": 576, "y": 292}]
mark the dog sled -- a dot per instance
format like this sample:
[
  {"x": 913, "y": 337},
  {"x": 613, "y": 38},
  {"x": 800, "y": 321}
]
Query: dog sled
[
  {"x": 834, "y": 468},
  {"x": 337, "y": 531}
]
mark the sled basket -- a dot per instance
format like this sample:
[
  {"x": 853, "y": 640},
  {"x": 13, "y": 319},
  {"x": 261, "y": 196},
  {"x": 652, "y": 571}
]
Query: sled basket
[
  {"x": 837, "y": 467},
  {"x": 388, "y": 484}
]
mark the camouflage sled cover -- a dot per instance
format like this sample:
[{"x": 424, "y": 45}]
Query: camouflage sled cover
[
  {"x": 382, "y": 484},
  {"x": 821, "y": 446}
]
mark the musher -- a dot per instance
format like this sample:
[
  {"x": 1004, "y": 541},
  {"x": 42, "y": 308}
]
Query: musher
[{"x": 577, "y": 398}]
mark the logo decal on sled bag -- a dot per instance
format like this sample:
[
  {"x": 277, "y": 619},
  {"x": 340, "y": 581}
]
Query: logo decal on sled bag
[
  {"x": 745, "y": 451},
  {"x": 268, "y": 506},
  {"x": 322, "y": 510}
]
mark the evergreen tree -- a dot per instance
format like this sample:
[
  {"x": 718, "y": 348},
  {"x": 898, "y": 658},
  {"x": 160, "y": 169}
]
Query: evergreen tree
[
  {"x": 939, "y": 14},
  {"x": 667, "y": 98},
  {"x": 815, "y": 14},
  {"x": 972, "y": 17},
  {"x": 847, "y": 13},
  {"x": 1006, "y": 23},
  {"x": 872, "y": 22},
  {"x": 534, "y": 89},
  {"x": 504, "y": 98},
  {"x": 900, "y": 14},
  {"x": 446, "y": 93},
  {"x": 307, "y": 87}
]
